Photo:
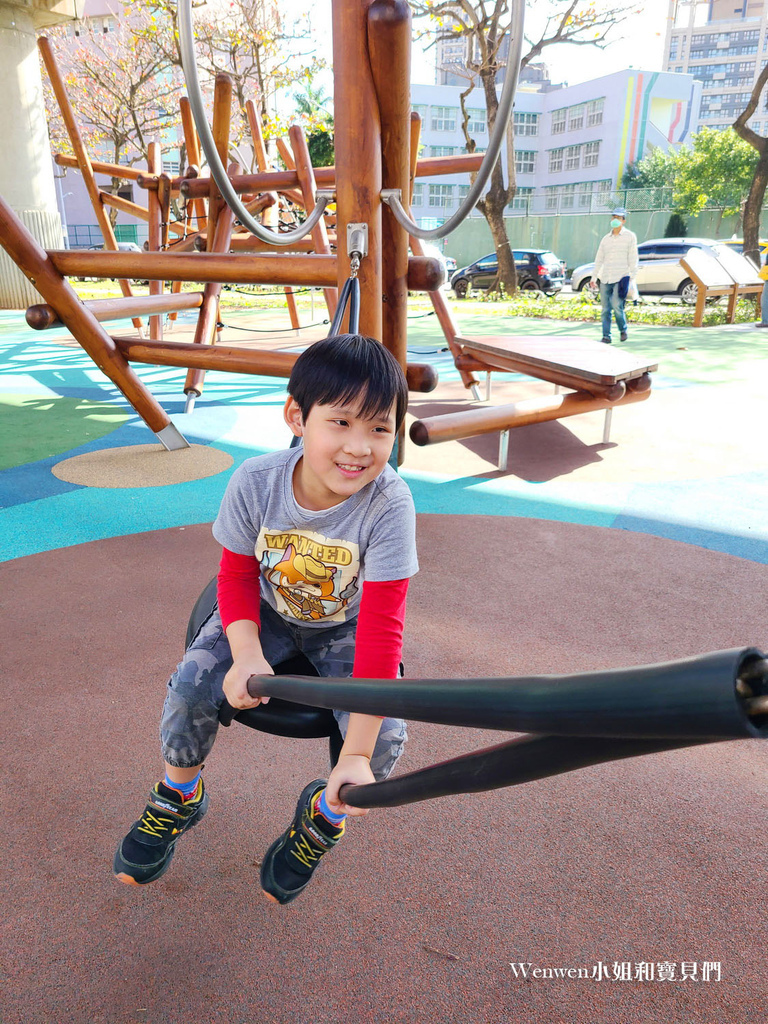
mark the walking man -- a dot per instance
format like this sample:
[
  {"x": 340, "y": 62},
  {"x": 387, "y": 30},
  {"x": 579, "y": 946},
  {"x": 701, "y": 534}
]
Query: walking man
[{"x": 615, "y": 269}]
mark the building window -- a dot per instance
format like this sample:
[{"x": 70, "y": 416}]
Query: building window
[
  {"x": 568, "y": 197},
  {"x": 550, "y": 194},
  {"x": 526, "y": 124},
  {"x": 591, "y": 154},
  {"x": 443, "y": 150},
  {"x": 441, "y": 195},
  {"x": 555, "y": 160},
  {"x": 418, "y": 195},
  {"x": 525, "y": 161},
  {"x": 463, "y": 192},
  {"x": 585, "y": 193},
  {"x": 572, "y": 158},
  {"x": 576, "y": 117},
  {"x": 558, "y": 121},
  {"x": 444, "y": 119},
  {"x": 422, "y": 109},
  {"x": 476, "y": 121},
  {"x": 522, "y": 199},
  {"x": 595, "y": 112},
  {"x": 170, "y": 166}
]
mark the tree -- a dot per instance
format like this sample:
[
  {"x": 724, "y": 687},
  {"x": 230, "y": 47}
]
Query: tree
[
  {"x": 484, "y": 25},
  {"x": 250, "y": 41},
  {"x": 123, "y": 91},
  {"x": 716, "y": 170},
  {"x": 754, "y": 204},
  {"x": 676, "y": 226},
  {"x": 312, "y": 108}
]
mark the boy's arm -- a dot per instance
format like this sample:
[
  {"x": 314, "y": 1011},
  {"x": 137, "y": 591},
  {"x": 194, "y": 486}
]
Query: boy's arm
[
  {"x": 378, "y": 650},
  {"x": 239, "y": 598}
]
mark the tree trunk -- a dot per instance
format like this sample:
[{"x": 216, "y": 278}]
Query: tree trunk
[
  {"x": 493, "y": 205},
  {"x": 754, "y": 205}
]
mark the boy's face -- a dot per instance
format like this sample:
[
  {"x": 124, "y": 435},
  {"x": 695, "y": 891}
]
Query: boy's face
[{"x": 342, "y": 451}]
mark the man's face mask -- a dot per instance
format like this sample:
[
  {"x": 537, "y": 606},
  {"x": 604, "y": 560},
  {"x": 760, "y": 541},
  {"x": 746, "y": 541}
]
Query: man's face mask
[{"x": 615, "y": 223}]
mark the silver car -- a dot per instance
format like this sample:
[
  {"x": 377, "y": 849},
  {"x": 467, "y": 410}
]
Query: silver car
[{"x": 659, "y": 271}]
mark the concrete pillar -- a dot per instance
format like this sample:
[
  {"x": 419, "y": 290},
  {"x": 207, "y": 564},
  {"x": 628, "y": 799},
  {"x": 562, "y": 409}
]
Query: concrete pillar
[{"x": 26, "y": 175}]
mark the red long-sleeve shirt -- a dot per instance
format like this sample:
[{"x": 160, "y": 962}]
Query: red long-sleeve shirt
[{"x": 380, "y": 623}]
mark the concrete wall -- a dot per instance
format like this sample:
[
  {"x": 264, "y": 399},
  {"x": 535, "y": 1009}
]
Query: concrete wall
[{"x": 575, "y": 237}]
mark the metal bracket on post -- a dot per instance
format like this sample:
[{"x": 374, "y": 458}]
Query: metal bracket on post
[
  {"x": 607, "y": 425},
  {"x": 357, "y": 241},
  {"x": 503, "y": 449}
]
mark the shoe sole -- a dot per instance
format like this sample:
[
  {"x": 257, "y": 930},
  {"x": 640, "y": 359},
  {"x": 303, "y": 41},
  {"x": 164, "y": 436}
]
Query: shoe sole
[
  {"x": 126, "y": 879},
  {"x": 290, "y": 896}
]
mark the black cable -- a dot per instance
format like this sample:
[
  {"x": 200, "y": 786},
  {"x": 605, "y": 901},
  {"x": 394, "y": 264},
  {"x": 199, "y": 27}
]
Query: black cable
[{"x": 276, "y": 330}]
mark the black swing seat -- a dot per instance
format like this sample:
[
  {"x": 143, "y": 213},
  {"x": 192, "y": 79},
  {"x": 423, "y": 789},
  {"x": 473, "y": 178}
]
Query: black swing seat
[{"x": 278, "y": 717}]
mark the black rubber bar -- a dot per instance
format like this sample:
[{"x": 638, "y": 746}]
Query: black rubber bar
[
  {"x": 509, "y": 764},
  {"x": 694, "y": 698}
]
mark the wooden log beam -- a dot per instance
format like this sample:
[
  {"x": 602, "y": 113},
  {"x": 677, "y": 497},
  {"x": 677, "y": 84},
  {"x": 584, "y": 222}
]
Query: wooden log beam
[
  {"x": 454, "y": 426},
  {"x": 316, "y": 271},
  {"x": 192, "y": 143},
  {"x": 236, "y": 359},
  {"x": 42, "y": 317},
  {"x": 205, "y": 329},
  {"x": 38, "y": 267},
  {"x": 440, "y": 306},
  {"x": 100, "y": 167},
  {"x": 140, "y": 212},
  {"x": 319, "y": 235},
  {"x": 82, "y": 157},
  {"x": 325, "y": 177}
]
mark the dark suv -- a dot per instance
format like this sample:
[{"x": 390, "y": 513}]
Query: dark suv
[{"x": 537, "y": 270}]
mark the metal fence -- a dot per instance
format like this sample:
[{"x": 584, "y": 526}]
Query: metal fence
[{"x": 81, "y": 236}]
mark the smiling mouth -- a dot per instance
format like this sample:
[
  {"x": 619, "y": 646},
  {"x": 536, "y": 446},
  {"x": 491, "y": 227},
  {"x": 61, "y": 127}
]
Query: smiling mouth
[{"x": 348, "y": 468}]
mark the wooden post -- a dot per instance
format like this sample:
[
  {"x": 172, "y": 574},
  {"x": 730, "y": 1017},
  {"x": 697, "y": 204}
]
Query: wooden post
[
  {"x": 37, "y": 266},
  {"x": 155, "y": 231},
  {"x": 222, "y": 117},
  {"x": 81, "y": 154},
  {"x": 389, "y": 42},
  {"x": 357, "y": 137},
  {"x": 440, "y": 306},
  {"x": 205, "y": 330},
  {"x": 303, "y": 166},
  {"x": 192, "y": 144}
]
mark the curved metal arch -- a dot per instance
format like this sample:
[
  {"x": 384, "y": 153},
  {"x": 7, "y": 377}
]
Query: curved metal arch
[{"x": 218, "y": 171}]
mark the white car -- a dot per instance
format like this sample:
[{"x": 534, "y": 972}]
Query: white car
[{"x": 659, "y": 271}]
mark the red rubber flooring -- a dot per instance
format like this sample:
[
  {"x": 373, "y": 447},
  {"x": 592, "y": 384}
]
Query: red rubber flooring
[{"x": 419, "y": 913}]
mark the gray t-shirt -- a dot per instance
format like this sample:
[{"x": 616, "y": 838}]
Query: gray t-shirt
[{"x": 313, "y": 563}]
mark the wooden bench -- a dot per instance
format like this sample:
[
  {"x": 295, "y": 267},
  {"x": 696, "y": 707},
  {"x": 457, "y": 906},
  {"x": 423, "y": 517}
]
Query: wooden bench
[
  {"x": 720, "y": 271},
  {"x": 602, "y": 377}
]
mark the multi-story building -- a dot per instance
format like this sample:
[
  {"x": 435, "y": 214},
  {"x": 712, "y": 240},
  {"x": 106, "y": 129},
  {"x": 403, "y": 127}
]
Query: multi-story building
[
  {"x": 572, "y": 144},
  {"x": 724, "y": 46}
]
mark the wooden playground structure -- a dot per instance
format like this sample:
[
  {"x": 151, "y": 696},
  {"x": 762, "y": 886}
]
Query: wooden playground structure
[{"x": 376, "y": 148}]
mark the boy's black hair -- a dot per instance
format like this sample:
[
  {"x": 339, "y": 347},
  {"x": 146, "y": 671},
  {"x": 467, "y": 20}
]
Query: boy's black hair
[{"x": 349, "y": 368}]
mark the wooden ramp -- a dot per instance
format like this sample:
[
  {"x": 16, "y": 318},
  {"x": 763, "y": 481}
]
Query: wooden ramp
[{"x": 599, "y": 377}]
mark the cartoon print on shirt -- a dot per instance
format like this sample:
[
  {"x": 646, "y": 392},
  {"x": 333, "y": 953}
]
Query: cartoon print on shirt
[{"x": 304, "y": 585}]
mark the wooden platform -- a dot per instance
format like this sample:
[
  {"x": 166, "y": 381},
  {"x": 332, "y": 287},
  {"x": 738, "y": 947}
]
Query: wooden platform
[{"x": 568, "y": 361}]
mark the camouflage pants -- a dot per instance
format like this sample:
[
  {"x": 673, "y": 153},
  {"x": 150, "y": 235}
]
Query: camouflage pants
[{"x": 190, "y": 714}]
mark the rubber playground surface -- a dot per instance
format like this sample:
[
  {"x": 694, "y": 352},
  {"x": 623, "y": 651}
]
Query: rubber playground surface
[{"x": 628, "y": 892}]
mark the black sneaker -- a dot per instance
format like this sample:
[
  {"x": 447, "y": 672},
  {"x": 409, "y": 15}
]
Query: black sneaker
[
  {"x": 623, "y": 336},
  {"x": 147, "y": 850},
  {"x": 606, "y": 341},
  {"x": 289, "y": 862}
]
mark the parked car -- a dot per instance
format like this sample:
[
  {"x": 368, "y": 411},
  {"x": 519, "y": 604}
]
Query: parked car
[
  {"x": 737, "y": 244},
  {"x": 121, "y": 247},
  {"x": 659, "y": 271},
  {"x": 537, "y": 270}
]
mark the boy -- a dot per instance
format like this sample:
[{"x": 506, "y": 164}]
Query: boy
[{"x": 318, "y": 547}]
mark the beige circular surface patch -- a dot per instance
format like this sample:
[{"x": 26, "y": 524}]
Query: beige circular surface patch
[{"x": 142, "y": 465}]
